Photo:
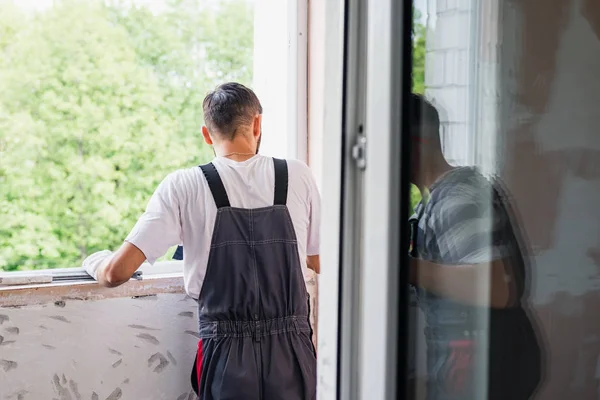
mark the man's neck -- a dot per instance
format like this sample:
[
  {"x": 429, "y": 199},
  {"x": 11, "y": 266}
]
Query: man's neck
[
  {"x": 428, "y": 176},
  {"x": 237, "y": 156},
  {"x": 239, "y": 149}
]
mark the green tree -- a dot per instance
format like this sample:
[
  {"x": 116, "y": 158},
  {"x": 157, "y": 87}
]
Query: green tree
[
  {"x": 11, "y": 22},
  {"x": 99, "y": 101},
  {"x": 228, "y": 54},
  {"x": 419, "y": 37},
  {"x": 418, "y": 79}
]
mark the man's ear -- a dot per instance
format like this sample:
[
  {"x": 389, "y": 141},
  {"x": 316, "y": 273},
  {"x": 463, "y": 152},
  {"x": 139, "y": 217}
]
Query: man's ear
[
  {"x": 206, "y": 135},
  {"x": 256, "y": 126}
]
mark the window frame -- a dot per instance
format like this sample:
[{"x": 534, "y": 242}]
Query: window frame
[
  {"x": 330, "y": 160},
  {"x": 362, "y": 331},
  {"x": 385, "y": 195}
]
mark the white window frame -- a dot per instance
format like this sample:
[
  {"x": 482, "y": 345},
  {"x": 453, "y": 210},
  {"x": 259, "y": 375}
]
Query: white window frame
[
  {"x": 281, "y": 66},
  {"x": 298, "y": 79},
  {"x": 296, "y": 110},
  {"x": 331, "y": 193}
]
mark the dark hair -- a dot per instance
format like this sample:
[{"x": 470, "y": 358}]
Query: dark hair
[
  {"x": 424, "y": 117},
  {"x": 229, "y": 106}
]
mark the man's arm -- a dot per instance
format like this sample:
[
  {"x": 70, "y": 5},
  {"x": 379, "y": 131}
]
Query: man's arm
[
  {"x": 118, "y": 268},
  {"x": 314, "y": 263},
  {"x": 156, "y": 231},
  {"x": 469, "y": 283},
  {"x": 314, "y": 228}
]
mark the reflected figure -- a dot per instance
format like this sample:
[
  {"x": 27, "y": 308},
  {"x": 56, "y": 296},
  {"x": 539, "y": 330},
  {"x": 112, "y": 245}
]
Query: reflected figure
[{"x": 469, "y": 275}]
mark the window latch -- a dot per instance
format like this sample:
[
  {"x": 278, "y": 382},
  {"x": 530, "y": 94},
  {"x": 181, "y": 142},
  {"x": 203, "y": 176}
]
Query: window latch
[{"x": 359, "y": 152}]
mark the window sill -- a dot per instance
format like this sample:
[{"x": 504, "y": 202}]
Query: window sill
[{"x": 161, "y": 278}]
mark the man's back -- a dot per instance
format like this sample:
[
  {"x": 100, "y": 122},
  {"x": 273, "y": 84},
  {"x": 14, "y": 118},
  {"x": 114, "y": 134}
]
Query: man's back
[
  {"x": 249, "y": 184},
  {"x": 254, "y": 330}
]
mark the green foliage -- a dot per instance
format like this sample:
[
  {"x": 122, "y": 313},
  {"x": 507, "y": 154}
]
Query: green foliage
[
  {"x": 418, "y": 77},
  {"x": 415, "y": 197},
  {"x": 99, "y": 101},
  {"x": 419, "y": 36}
]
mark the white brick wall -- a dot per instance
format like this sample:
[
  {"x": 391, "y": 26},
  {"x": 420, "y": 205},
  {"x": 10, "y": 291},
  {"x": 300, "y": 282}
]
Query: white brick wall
[
  {"x": 461, "y": 75},
  {"x": 448, "y": 75}
]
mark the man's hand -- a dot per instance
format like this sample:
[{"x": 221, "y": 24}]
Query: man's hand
[{"x": 94, "y": 261}]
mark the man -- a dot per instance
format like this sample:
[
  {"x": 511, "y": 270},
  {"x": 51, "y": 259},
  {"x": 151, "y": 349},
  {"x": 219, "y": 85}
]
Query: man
[
  {"x": 250, "y": 227},
  {"x": 469, "y": 273}
]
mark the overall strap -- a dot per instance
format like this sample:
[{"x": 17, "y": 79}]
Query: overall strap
[
  {"x": 216, "y": 185},
  {"x": 218, "y": 191},
  {"x": 281, "y": 182}
]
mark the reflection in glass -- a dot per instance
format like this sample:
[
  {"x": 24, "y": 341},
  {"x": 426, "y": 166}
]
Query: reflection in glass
[
  {"x": 505, "y": 152},
  {"x": 469, "y": 276}
]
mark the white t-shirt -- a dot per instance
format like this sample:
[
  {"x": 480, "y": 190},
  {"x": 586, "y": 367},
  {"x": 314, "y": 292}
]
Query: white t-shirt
[{"x": 182, "y": 211}]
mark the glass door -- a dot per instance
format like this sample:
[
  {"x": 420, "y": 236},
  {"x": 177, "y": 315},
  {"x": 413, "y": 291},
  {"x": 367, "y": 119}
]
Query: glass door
[
  {"x": 468, "y": 248},
  {"x": 503, "y": 273}
]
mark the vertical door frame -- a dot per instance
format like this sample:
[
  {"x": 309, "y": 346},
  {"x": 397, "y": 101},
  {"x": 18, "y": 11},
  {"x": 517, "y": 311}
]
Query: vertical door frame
[
  {"x": 384, "y": 294},
  {"x": 354, "y": 121},
  {"x": 362, "y": 329}
]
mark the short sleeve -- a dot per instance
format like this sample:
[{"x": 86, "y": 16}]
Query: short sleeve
[
  {"x": 314, "y": 227},
  {"x": 159, "y": 228},
  {"x": 466, "y": 228}
]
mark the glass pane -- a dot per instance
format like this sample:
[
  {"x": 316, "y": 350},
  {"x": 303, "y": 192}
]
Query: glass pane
[{"x": 505, "y": 154}]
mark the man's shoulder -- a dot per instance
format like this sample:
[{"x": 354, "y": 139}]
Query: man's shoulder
[
  {"x": 297, "y": 166},
  {"x": 183, "y": 178},
  {"x": 184, "y": 173},
  {"x": 301, "y": 178},
  {"x": 300, "y": 172},
  {"x": 465, "y": 194},
  {"x": 464, "y": 184}
]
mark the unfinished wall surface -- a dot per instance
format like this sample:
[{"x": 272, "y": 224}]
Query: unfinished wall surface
[
  {"x": 121, "y": 348},
  {"x": 550, "y": 86},
  {"x": 108, "y": 349}
]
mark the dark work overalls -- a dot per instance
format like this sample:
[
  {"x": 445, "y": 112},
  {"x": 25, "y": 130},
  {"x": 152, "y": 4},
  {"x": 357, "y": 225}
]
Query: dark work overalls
[{"x": 255, "y": 336}]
